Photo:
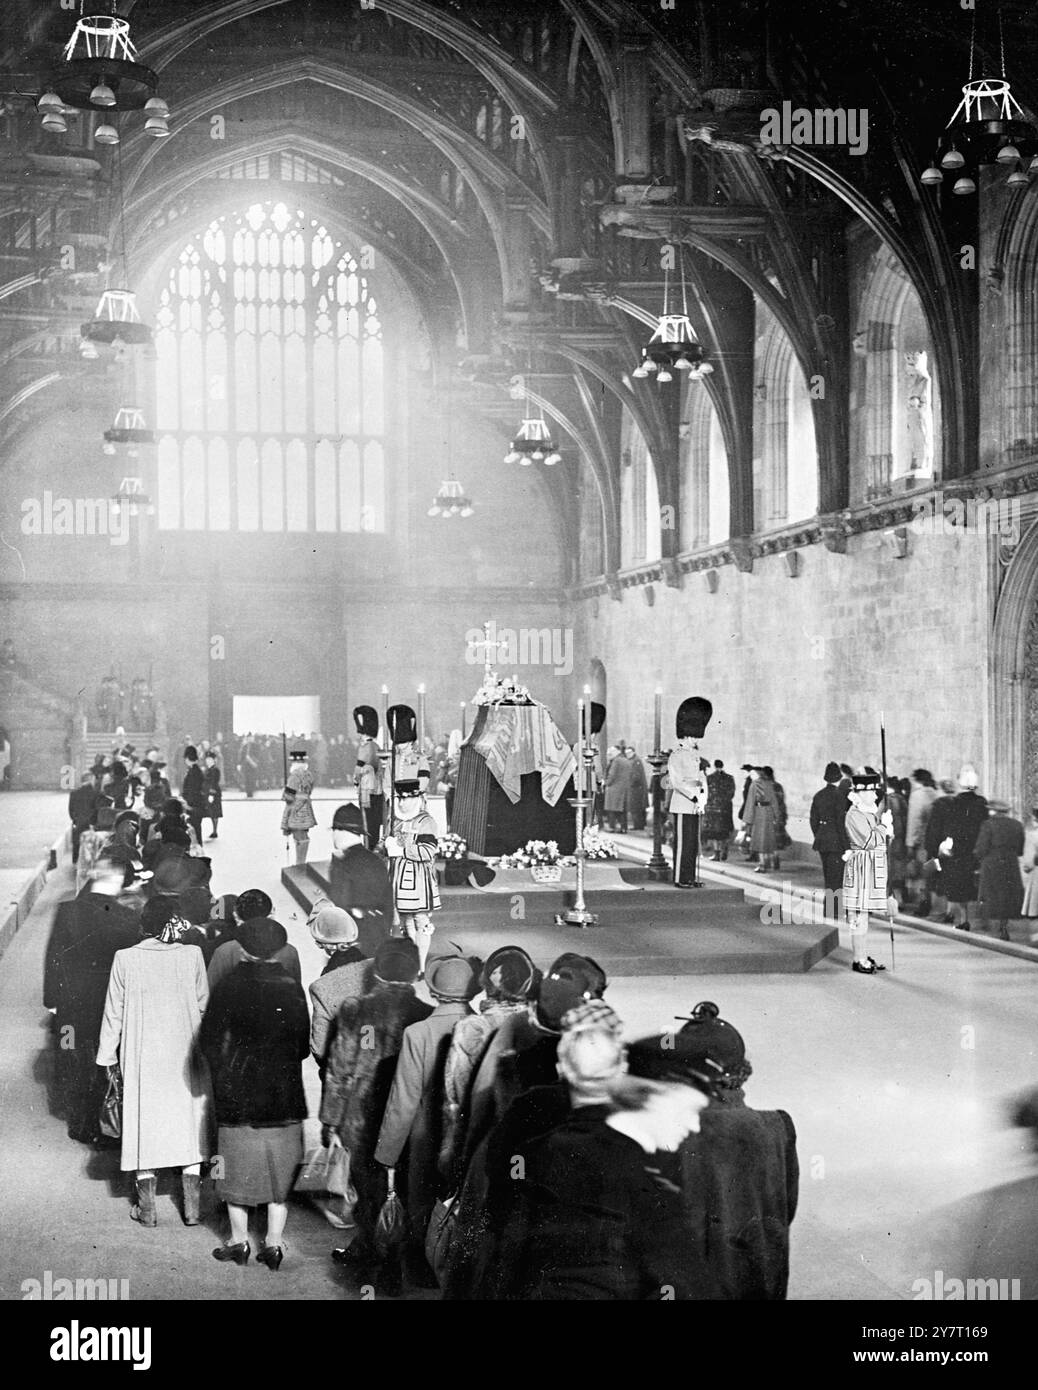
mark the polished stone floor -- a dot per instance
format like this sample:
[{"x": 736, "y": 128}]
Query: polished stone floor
[{"x": 898, "y": 1086}]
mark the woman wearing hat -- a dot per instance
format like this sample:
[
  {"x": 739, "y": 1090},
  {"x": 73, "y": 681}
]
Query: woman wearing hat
[
  {"x": 998, "y": 849},
  {"x": 739, "y": 1174},
  {"x": 865, "y": 865},
  {"x": 414, "y": 1111},
  {"x": 298, "y": 817},
  {"x": 255, "y": 1036},
  {"x": 213, "y": 792},
  {"x": 348, "y": 973},
  {"x": 156, "y": 996}
]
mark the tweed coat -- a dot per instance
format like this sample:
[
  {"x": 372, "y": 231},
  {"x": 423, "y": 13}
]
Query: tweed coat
[
  {"x": 348, "y": 975},
  {"x": 157, "y": 994},
  {"x": 362, "y": 1062},
  {"x": 618, "y": 783},
  {"x": 299, "y": 812}
]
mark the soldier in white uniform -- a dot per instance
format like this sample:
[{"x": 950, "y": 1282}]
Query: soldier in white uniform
[{"x": 687, "y": 783}]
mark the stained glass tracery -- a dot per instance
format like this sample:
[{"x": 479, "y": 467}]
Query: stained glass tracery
[{"x": 270, "y": 406}]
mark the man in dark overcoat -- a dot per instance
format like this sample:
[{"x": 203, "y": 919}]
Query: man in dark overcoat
[
  {"x": 828, "y": 815},
  {"x": 951, "y": 837},
  {"x": 358, "y": 1078},
  {"x": 87, "y": 932}
]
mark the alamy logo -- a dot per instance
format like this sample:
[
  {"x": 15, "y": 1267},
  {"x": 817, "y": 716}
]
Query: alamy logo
[
  {"x": 822, "y": 126},
  {"x": 59, "y": 1289},
  {"x": 75, "y": 516},
  {"x": 980, "y": 516},
  {"x": 942, "y": 1290},
  {"x": 525, "y": 646}
]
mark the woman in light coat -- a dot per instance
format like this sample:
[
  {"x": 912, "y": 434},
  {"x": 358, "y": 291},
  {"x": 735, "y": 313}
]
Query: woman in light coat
[
  {"x": 1029, "y": 865},
  {"x": 157, "y": 993},
  {"x": 763, "y": 815}
]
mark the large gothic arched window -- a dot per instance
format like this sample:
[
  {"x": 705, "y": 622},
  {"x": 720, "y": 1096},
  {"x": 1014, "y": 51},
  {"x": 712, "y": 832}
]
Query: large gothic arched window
[{"x": 269, "y": 386}]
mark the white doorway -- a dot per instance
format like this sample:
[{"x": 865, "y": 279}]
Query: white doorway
[{"x": 276, "y": 714}]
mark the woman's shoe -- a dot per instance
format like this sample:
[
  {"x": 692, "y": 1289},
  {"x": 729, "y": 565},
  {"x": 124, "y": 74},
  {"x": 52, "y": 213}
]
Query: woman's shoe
[
  {"x": 271, "y": 1256},
  {"x": 238, "y": 1253},
  {"x": 867, "y": 966},
  {"x": 760, "y": 869}
]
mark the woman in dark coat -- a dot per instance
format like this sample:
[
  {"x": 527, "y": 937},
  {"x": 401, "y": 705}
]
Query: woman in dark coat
[
  {"x": 999, "y": 847},
  {"x": 717, "y": 818},
  {"x": 212, "y": 792},
  {"x": 255, "y": 1036}
]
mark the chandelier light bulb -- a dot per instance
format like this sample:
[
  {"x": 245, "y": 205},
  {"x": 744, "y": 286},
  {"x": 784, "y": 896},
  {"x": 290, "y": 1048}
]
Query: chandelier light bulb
[
  {"x": 106, "y": 135},
  {"x": 434, "y": 510},
  {"x": 963, "y": 186},
  {"x": 1008, "y": 154},
  {"x": 664, "y": 375},
  {"x": 953, "y": 159},
  {"x": 102, "y": 95},
  {"x": 650, "y": 365},
  {"x": 704, "y": 369},
  {"x": 641, "y": 372},
  {"x": 156, "y": 127},
  {"x": 513, "y": 456},
  {"x": 537, "y": 454},
  {"x": 552, "y": 459},
  {"x": 683, "y": 364},
  {"x": 932, "y": 175},
  {"x": 1018, "y": 179},
  {"x": 50, "y": 101},
  {"x": 55, "y": 123},
  {"x": 467, "y": 510},
  {"x": 525, "y": 460},
  {"x": 155, "y": 106}
]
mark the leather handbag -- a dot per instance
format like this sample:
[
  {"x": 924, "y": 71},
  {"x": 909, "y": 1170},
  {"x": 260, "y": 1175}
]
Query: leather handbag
[
  {"x": 326, "y": 1170},
  {"x": 110, "y": 1120}
]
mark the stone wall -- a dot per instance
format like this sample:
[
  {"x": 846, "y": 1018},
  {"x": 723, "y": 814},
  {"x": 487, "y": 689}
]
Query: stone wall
[{"x": 799, "y": 669}]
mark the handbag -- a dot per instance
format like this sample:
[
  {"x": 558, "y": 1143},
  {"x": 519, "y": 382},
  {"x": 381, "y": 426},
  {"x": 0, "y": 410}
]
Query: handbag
[
  {"x": 440, "y": 1235},
  {"x": 110, "y": 1120},
  {"x": 391, "y": 1229},
  {"x": 326, "y": 1170}
]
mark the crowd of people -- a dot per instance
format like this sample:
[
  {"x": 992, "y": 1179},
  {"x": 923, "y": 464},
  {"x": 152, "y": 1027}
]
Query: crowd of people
[
  {"x": 642, "y": 1172},
  {"x": 949, "y": 849}
]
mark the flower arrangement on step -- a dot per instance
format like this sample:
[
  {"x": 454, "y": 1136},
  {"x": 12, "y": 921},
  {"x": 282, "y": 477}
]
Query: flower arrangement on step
[
  {"x": 534, "y": 854},
  {"x": 451, "y": 846},
  {"x": 597, "y": 845}
]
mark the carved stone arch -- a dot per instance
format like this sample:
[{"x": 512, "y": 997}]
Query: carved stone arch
[
  {"x": 1020, "y": 327},
  {"x": 699, "y": 422},
  {"x": 488, "y": 179},
  {"x": 1012, "y": 755},
  {"x": 890, "y": 316},
  {"x": 437, "y": 226}
]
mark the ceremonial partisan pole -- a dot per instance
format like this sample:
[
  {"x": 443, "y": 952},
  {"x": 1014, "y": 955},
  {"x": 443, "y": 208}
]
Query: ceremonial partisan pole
[
  {"x": 284, "y": 775},
  {"x": 579, "y": 915},
  {"x": 883, "y": 774}
]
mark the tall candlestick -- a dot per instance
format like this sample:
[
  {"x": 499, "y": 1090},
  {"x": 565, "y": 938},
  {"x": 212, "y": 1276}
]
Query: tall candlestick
[
  {"x": 463, "y": 713},
  {"x": 657, "y": 718},
  {"x": 383, "y": 733},
  {"x": 580, "y": 748},
  {"x": 421, "y": 718}
]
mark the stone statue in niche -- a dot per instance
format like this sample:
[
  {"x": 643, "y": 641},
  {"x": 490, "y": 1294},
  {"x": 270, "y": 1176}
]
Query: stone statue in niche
[{"x": 919, "y": 415}]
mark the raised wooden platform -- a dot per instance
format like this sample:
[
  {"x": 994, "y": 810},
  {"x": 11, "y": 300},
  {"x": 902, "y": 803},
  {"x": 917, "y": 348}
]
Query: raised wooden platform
[{"x": 658, "y": 931}]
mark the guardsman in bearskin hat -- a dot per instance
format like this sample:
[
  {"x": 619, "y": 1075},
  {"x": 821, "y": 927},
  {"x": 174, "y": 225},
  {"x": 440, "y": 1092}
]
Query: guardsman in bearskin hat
[
  {"x": 409, "y": 763},
  {"x": 411, "y": 849},
  {"x": 367, "y": 777},
  {"x": 298, "y": 817},
  {"x": 688, "y": 788},
  {"x": 865, "y": 864}
]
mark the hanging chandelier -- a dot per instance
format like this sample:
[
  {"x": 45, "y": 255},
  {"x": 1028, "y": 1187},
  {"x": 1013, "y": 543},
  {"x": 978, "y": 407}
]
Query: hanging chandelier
[
  {"x": 100, "y": 72},
  {"x": 674, "y": 344},
  {"x": 534, "y": 444},
  {"x": 451, "y": 500},
  {"x": 116, "y": 321},
  {"x": 129, "y": 429},
  {"x": 132, "y": 496},
  {"x": 989, "y": 126}
]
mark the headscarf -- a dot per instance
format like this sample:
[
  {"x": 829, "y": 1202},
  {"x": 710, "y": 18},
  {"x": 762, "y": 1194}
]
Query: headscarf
[{"x": 161, "y": 920}]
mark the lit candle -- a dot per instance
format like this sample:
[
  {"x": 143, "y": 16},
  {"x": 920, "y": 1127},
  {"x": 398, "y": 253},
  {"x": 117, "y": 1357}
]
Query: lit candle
[
  {"x": 657, "y": 718},
  {"x": 463, "y": 713},
  {"x": 421, "y": 718},
  {"x": 383, "y": 733}
]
